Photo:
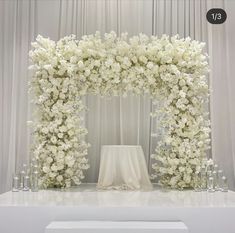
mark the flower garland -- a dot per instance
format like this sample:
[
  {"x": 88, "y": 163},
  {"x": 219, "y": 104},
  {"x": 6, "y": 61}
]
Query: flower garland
[{"x": 171, "y": 70}]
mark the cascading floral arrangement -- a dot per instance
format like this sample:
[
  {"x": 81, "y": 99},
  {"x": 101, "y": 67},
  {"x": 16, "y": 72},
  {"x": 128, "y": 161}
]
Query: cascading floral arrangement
[{"x": 171, "y": 70}]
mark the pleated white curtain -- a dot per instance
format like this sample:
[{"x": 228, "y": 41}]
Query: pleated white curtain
[{"x": 114, "y": 120}]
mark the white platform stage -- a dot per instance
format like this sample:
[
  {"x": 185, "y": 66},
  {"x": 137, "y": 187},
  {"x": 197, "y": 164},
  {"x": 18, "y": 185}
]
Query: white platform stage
[{"x": 202, "y": 212}]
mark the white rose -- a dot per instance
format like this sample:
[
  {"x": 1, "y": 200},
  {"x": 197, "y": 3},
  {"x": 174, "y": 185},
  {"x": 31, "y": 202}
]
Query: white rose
[
  {"x": 182, "y": 82},
  {"x": 87, "y": 72},
  {"x": 45, "y": 130},
  {"x": 143, "y": 59},
  {"x": 53, "y": 139},
  {"x": 46, "y": 169},
  {"x": 182, "y": 94},
  {"x": 59, "y": 178},
  {"x": 71, "y": 132},
  {"x": 80, "y": 64},
  {"x": 69, "y": 171},
  {"x": 60, "y": 135},
  {"x": 49, "y": 160},
  {"x": 73, "y": 59},
  {"x": 52, "y": 174},
  {"x": 60, "y": 167},
  {"x": 63, "y": 128},
  {"x": 54, "y": 168},
  {"x": 61, "y": 154},
  {"x": 62, "y": 96}
]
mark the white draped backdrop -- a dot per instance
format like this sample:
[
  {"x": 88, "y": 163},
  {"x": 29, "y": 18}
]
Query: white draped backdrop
[{"x": 115, "y": 120}]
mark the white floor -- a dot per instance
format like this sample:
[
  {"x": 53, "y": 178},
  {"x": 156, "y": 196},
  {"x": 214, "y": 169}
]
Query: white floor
[{"x": 201, "y": 212}]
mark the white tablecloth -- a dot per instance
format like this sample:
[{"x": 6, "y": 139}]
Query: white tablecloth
[{"x": 123, "y": 167}]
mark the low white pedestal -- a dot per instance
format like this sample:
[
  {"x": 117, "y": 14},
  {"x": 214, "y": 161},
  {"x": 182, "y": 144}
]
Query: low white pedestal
[
  {"x": 116, "y": 227},
  {"x": 201, "y": 212}
]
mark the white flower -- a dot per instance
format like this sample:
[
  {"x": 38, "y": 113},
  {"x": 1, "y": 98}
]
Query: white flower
[
  {"x": 69, "y": 171},
  {"x": 109, "y": 62},
  {"x": 60, "y": 154},
  {"x": 60, "y": 135},
  {"x": 52, "y": 174},
  {"x": 73, "y": 59},
  {"x": 59, "y": 178},
  {"x": 45, "y": 130},
  {"x": 49, "y": 160},
  {"x": 71, "y": 132},
  {"x": 182, "y": 94},
  {"x": 62, "y": 128},
  {"x": 87, "y": 72},
  {"x": 54, "y": 168},
  {"x": 53, "y": 139},
  {"x": 62, "y": 96},
  {"x": 143, "y": 59},
  {"x": 182, "y": 82},
  {"x": 150, "y": 65},
  {"x": 69, "y": 161},
  {"x": 46, "y": 169}
]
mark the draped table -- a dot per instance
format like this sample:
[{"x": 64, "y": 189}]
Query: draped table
[{"x": 123, "y": 167}]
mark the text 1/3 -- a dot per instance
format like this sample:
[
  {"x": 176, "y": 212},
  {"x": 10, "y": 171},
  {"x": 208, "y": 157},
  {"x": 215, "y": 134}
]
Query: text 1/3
[{"x": 216, "y": 16}]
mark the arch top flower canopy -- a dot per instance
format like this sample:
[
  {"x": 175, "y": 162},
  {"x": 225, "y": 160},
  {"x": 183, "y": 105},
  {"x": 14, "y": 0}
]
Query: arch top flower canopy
[{"x": 171, "y": 70}]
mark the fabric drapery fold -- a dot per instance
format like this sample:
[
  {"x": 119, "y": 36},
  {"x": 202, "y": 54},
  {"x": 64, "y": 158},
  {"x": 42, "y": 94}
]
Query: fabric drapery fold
[{"x": 123, "y": 168}]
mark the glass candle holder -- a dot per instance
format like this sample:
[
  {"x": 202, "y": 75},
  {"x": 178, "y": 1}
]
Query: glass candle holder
[
  {"x": 220, "y": 182},
  {"x": 15, "y": 183},
  {"x": 26, "y": 183},
  {"x": 215, "y": 178},
  {"x": 33, "y": 169},
  {"x": 34, "y": 181},
  {"x": 210, "y": 168},
  {"x": 208, "y": 176},
  {"x": 210, "y": 185},
  {"x": 224, "y": 187},
  {"x": 24, "y": 167},
  {"x": 197, "y": 181},
  {"x": 22, "y": 175},
  {"x": 216, "y": 167},
  {"x": 203, "y": 179}
]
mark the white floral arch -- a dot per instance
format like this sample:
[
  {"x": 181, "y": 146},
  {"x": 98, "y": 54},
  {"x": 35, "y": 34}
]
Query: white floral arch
[{"x": 172, "y": 70}]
